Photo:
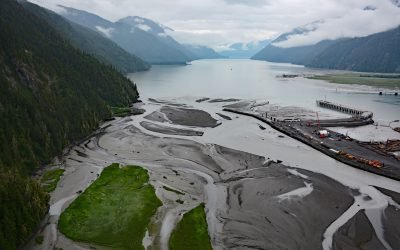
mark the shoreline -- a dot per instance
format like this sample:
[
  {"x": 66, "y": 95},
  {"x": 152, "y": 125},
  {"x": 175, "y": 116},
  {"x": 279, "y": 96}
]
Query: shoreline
[
  {"x": 319, "y": 147},
  {"x": 249, "y": 182}
]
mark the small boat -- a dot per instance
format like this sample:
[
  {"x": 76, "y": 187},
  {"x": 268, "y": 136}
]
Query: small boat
[{"x": 261, "y": 127}]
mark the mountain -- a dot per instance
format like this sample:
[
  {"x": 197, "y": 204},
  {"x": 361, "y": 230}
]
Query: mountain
[
  {"x": 302, "y": 30},
  {"x": 158, "y": 30},
  {"x": 244, "y": 50},
  {"x": 297, "y": 55},
  {"x": 192, "y": 52},
  {"x": 51, "y": 94},
  {"x": 202, "y": 52},
  {"x": 375, "y": 53},
  {"x": 153, "y": 28},
  {"x": 137, "y": 35},
  {"x": 90, "y": 41}
]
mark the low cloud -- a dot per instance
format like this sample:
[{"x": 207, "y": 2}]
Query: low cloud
[
  {"x": 107, "y": 32},
  {"x": 144, "y": 27},
  {"x": 254, "y": 3},
  {"x": 356, "y": 23},
  {"x": 219, "y": 40},
  {"x": 52, "y": 5},
  {"x": 216, "y": 23}
]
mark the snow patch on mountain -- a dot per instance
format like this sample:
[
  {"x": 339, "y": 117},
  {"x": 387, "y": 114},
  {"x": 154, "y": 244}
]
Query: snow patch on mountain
[{"x": 107, "y": 32}]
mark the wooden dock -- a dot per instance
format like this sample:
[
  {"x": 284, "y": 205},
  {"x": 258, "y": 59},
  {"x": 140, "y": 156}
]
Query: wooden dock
[{"x": 345, "y": 109}]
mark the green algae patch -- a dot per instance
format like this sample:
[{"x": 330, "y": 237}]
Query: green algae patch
[
  {"x": 191, "y": 232},
  {"x": 114, "y": 211},
  {"x": 378, "y": 80},
  {"x": 121, "y": 111},
  {"x": 50, "y": 179}
]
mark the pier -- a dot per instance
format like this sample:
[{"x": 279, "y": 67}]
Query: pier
[
  {"x": 337, "y": 146},
  {"x": 354, "y": 121},
  {"x": 344, "y": 109},
  {"x": 389, "y": 93}
]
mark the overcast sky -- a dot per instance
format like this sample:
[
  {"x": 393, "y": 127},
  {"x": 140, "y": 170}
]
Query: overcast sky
[{"x": 217, "y": 23}]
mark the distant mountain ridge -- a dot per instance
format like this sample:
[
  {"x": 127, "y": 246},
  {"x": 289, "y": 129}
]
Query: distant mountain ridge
[
  {"x": 302, "y": 55},
  {"x": 296, "y": 55},
  {"x": 140, "y": 36},
  {"x": 131, "y": 37},
  {"x": 375, "y": 53},
  {"x": 202, "y": 52},
  {"x": 145, "y": 24},
  {"x": 378, "y": 52},
  {"x": 244, "y": 50},
  {"x": 302, "y": 30},
  {"x": 90, "y": 41}
]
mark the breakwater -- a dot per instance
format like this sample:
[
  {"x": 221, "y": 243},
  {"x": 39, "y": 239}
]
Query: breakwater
[
  {"x": 304, "y": 133},
  {"x": 345, "y": 109}
]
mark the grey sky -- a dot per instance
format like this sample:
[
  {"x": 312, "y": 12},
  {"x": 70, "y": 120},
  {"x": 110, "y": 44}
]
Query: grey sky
[{"x": 217, "y": 23}]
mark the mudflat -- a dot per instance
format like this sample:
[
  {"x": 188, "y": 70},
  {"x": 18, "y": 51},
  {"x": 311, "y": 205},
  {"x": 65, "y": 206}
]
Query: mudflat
[
  {"x": 189, "y": 117},
  {"x": 252, "y": 201}
]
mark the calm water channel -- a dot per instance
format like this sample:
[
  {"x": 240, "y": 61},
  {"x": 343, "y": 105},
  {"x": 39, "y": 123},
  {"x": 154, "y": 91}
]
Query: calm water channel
[{"x": 247, "y": 79}]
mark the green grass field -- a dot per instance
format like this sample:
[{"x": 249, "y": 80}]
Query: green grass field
[
  {"x": 191, "y": 232},
  {"x": 114, "y": 211},
  {"x": 350, "y": 78},
  {"x": 50, "y": 179},
  {"x": 121, "y": 111}
]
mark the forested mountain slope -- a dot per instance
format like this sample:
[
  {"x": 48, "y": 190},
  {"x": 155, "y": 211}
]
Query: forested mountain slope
[
  {"x": 375, "y": 53},
  {"x": 379, "y": 52},
  {"x": 155, "y": 46},
  {"x": 50, "y": 95},
  {"x": 90, "y": 41},
  {"x": 296, "y": 55},
  {"x": 203, "y": 52}
]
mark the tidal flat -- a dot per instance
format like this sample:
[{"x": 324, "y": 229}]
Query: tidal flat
[
  {"x": 261, "y": 190},
  {"x": 389, "y": 81}
]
